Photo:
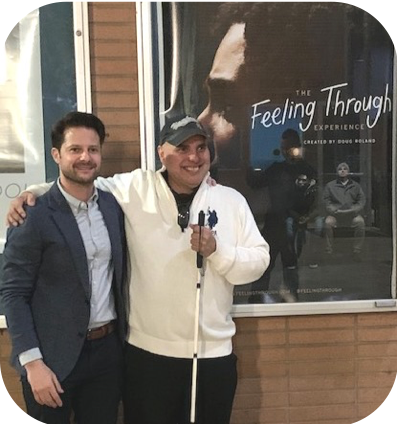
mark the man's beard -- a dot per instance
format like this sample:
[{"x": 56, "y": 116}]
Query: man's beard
[{"x": 75, "y": 178}]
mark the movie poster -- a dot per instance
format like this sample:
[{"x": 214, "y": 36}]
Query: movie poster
[{"x": 298, "y": 98}]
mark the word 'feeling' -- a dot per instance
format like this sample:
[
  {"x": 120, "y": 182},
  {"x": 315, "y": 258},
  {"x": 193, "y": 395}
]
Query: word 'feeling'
[{"x": 334, "y": 106}]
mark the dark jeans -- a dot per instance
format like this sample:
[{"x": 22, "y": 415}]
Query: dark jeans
[
  {"x": 158, "y": 389},
  {"x": 92, "y": 390}
]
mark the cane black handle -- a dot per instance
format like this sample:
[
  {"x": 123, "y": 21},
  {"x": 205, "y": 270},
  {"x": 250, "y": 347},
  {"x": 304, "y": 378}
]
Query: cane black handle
[{"x": 201, "y": 218}]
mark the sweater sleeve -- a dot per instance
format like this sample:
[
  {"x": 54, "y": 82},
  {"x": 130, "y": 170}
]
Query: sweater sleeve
[
  {"x": 39, "y": 189},
  {"x": 249, "y": 258},
  {"x": 118, "y": 185}
]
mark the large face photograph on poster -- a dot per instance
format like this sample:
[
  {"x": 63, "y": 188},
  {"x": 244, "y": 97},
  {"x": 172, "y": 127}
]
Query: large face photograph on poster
[{"x": 298, "y": 99}]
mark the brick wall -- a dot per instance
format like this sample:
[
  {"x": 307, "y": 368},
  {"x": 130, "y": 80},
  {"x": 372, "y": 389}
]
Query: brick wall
[
  {"x": 322, "y": 369},
  {"x": 115, "y": 82},
  {"x": 334, "y": 369}
]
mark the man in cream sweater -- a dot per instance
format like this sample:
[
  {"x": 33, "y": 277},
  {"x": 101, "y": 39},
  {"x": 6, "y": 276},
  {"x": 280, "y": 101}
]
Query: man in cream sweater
[{"x": 161, "y": 210}]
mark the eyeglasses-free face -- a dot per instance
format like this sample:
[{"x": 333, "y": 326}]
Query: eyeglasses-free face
[{"x": 186, "y": 164}]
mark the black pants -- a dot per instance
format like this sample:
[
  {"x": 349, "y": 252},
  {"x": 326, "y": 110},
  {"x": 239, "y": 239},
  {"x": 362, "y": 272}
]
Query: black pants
[
  {"x": 158, "y": 389},
  {"x": 275, "y": 233},
  {"x": 92, "y": 390}
]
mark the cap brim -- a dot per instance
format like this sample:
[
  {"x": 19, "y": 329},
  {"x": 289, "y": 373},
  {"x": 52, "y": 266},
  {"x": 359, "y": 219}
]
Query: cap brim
[{"x": 178, "y": 138}]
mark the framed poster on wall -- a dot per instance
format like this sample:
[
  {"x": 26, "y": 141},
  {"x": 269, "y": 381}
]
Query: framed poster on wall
[{"x": 299, "y": 99}]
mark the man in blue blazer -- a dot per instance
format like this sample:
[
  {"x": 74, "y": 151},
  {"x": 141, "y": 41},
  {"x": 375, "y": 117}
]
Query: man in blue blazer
[{"x": 63, "y": 286}]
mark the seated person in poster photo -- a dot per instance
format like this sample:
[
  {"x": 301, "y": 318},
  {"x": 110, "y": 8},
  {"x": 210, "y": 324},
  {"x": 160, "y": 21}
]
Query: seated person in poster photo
[
  {"x": 63, "y": 287},
  {"x": 344, "y": 202}
]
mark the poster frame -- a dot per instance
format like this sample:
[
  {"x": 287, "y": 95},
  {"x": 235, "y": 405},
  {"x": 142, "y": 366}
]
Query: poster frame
[{"x": 148, "y": 127}]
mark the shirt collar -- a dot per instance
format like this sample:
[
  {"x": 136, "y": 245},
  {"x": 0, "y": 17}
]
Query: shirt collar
[{"x": 76, "y": 204}]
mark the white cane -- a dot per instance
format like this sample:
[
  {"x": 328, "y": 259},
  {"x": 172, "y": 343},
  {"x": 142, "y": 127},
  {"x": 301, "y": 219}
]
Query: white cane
[{"x": 196, "y": 326}]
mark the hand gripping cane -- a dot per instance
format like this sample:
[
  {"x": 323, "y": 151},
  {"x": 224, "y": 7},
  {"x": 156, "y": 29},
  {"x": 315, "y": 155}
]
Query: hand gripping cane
[{"x": 196, "y": 325}]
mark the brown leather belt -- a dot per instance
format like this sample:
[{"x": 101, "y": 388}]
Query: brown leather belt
[{"x": 99, "y": 332}]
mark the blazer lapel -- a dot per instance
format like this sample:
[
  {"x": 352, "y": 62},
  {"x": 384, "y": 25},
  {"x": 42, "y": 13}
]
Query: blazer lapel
[{"x": 66, "y": 222}]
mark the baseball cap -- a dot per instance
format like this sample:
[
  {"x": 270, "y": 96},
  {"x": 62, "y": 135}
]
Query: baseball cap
[{"x": 179, "y": 129}]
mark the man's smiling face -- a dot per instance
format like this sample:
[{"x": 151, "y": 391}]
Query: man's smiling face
[{"x": 186, "y": 164}]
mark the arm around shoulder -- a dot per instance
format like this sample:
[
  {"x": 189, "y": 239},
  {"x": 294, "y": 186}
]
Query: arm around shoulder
[
  {"x": 119, "y": 185},
  {"x": 16, "y": 213}
]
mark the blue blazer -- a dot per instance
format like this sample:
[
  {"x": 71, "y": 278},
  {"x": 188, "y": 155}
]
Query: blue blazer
[{"x": 46, "y": 290}]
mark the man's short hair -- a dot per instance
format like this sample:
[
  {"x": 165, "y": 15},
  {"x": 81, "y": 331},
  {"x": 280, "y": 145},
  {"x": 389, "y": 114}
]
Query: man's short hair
[{"x": 76, "y": 120}]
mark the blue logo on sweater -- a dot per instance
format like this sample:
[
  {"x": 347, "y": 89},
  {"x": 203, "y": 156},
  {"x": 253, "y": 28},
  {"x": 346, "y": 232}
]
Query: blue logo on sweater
[{"x": 212, "y": 218}]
